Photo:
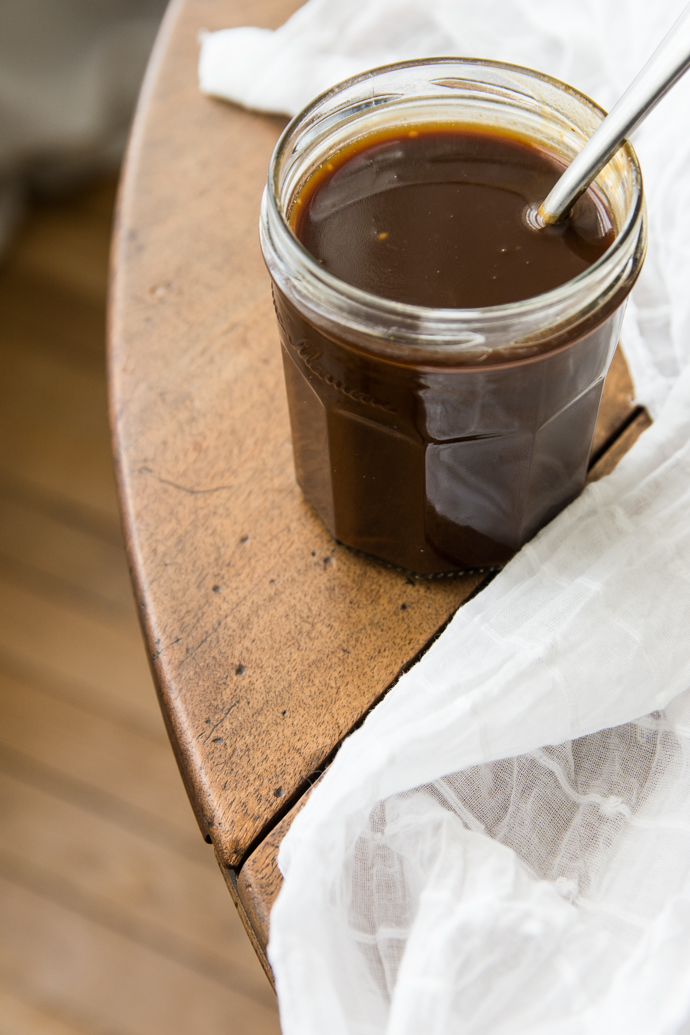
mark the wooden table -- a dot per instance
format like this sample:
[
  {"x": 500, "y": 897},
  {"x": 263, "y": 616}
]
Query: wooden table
[{"x": 269, "y": 643}]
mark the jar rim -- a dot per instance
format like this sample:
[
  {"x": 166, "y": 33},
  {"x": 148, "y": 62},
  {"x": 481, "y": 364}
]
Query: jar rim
[{"x": 424, "y": 322}]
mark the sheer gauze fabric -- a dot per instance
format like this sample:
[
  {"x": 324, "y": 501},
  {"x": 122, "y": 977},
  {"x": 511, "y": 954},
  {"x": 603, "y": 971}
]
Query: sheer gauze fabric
[{"x": 504, "y": 846}]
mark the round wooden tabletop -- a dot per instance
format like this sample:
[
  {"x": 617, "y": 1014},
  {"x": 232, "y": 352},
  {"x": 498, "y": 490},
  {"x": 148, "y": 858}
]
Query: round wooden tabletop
[{"x": 269, "y": 642}]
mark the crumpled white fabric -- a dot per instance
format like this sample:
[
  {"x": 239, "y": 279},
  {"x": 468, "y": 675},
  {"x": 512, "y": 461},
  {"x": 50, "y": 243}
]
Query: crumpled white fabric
[
  {"x": 504, "y": 846},
  {"x": 427, "y": 889}
]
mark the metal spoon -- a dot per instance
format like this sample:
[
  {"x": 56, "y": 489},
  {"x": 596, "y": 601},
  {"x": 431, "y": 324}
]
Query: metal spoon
[{"x": 665, "y": 67}]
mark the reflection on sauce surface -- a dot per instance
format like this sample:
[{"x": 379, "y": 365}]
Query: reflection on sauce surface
[{"x": 437, "y": 218}]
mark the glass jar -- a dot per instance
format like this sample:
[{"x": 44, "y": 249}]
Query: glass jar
[{"x": 440, "y": 440}]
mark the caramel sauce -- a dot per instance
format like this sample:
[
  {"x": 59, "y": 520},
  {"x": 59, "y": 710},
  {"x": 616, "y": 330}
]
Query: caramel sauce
[
  {"x": 439, "y": 217},
  {"x": 446, "y": 467}
]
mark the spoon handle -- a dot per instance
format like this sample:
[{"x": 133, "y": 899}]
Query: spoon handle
[{"x": 666, "y": 65}]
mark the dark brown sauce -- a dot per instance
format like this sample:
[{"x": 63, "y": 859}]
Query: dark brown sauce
[
  {"x": 442, "y": 466},
  {"x": 437, "y": 217}
]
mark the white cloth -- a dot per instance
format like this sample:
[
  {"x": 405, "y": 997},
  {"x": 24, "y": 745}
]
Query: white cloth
[
  {"x": 504, "y": 846},
  {"x": 510, "y": 897}
]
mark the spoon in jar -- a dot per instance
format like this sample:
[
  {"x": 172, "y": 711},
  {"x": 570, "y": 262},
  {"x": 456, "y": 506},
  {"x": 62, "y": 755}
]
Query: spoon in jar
[{"x": 665, "y": 67}]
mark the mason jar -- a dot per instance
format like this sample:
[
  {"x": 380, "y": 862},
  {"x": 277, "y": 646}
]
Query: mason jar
[{"x": 440, "y": 440}]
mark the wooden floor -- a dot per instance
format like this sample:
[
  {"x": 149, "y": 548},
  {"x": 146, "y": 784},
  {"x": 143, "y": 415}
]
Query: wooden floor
[{"x": 114, "y": 919}]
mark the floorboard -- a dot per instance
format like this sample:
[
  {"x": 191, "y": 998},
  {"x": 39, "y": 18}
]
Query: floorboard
[
  {"x": 94, "y": 663},
  {"x": 130, "y": 883},
  {"x": 49, "y": 951},
  {"x": 26, "y": 1018},
  {"x": 86, "y": 566},
  {"x": 54, "y": 426}
]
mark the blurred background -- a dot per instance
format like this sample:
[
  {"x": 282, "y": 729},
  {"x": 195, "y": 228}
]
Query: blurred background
[{"x": 114, "y": 919}]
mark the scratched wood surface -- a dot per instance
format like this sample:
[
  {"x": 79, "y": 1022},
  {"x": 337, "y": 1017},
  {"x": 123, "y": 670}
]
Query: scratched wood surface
[{"x": 268, "y": 641}]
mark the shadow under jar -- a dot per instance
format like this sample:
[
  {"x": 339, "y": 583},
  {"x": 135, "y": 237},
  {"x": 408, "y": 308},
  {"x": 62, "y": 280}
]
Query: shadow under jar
[{"x": 441, "y": 439}]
